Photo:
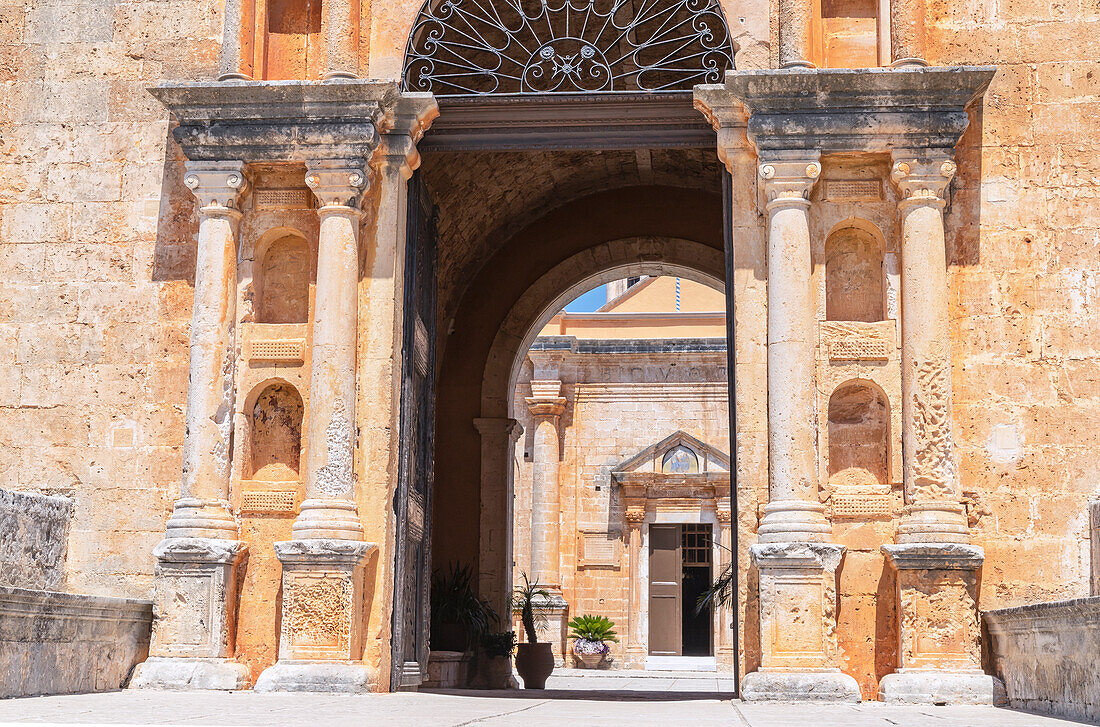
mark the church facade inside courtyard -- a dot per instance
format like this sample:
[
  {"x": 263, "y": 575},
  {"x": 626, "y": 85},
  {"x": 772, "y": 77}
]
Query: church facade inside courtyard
[{"x": 281, "y": 307}]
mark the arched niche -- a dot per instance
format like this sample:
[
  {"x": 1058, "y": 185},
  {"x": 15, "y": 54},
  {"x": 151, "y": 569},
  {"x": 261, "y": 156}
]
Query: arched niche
[
  {"x": 859, "y": 431},
  {"x": 275, "y": 432},
  {"x": 854, "y": 276},
  {"x": 281, "y": 281},
  {"x": 291, "y": 47},
  {"x": 854, "y": 33}
]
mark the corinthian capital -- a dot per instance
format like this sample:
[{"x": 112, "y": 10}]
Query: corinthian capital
[
  {"x": 338, "y": 182},
  {"x": 789, "y": 177},
  {"x": 216, "y": 185},
  {"x": 922, "y": 176}
]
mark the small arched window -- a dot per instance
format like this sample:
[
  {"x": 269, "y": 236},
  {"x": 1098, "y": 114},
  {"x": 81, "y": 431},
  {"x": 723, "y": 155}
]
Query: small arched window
[
  {"x": 284, "y": 282},
  {"x": 276, "y": 429},
  {"x": 859, "y": 425},
  {"x": 680, "y": 461},
  {"x": 854, "y": 288}
]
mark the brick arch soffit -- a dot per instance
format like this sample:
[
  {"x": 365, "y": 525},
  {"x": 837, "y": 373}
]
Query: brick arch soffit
[{"x": 679, "y": 257}]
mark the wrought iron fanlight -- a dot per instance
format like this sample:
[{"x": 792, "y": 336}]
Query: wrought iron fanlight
[{"x": 479, "y": 47}]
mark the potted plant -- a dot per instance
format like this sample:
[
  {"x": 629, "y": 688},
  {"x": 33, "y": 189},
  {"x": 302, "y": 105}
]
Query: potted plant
[
  {"x": 459, "y": 619},
  {"x": 590, "y": 635},
  {"x": 492, "y": 663},
  {"x": 534, "y": 659}
]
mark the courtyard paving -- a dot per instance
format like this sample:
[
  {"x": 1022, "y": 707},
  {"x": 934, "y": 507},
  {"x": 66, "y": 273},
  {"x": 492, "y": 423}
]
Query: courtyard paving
[{"x": 573, "y": 699}]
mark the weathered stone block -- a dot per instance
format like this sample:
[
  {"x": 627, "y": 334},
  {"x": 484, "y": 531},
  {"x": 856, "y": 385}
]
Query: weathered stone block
[{"x": 34, "y": 532}]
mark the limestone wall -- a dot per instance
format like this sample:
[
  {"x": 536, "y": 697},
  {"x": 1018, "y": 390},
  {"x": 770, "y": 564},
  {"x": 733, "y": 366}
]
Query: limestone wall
[
  {"x": 34, "y": 532},
  {"x": 61, "y": 643},
  {"x": 1046, "y": 655}
]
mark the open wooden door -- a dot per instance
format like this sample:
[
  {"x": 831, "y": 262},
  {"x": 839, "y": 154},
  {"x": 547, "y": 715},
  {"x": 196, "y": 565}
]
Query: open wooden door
[
  {"x": 413, "y": 499},
  {"x": 665, "y": 576}
]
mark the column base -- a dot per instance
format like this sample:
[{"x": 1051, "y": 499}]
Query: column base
[
  {"x": 941, "y": 688},
  {"x": 312, "y": 676},
  {"x": 800, "y": 686},
  {"x": 159, "y": 672},
  {"x": 553, "y": 626}
]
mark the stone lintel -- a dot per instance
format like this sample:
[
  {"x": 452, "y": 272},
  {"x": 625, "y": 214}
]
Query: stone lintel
[
  {"x": 822, "y": 556},
  {"x": 323, "y": 551},
  {"x": 274, "y": 121},
  {"x": 199, "y": 550},
  {"x": 934, "y": 556},
  {"x": 848, "y": 110}
]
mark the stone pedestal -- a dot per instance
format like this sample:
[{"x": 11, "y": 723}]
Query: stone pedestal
[
  {"x": 195, "y": 607},
  {"x": 321, "y": 640},
  {"x": 939, "y": 658},
  {"x": 552, "y": 619},
  {"x": 798, "y": 625}
]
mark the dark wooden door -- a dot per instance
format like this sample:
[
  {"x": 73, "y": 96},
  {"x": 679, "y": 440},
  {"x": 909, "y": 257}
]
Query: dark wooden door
[
  {"x": 413, "y": 500},
  {"x": 665, "y": 607}
]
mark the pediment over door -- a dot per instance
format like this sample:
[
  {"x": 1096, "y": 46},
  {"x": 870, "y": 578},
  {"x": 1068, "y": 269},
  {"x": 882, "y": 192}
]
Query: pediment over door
[{"x": 678, "y": 469}]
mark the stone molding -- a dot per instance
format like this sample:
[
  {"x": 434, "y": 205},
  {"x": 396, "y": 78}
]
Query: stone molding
[
  {"x": 337, "y": 182},
  {"x": 499, "y": 427},
  {"x": 323, "y": 550},
  {"x": 934, "y": 556},
  {"x": 218, "y": 185},
  {"x": 824, "y": 556},
  {"x": 199, "y": 550},
  {"x": 1094, "y": 537},
  {"x": 546, "y": 399},
  {"x": 844, "y": 110},
  {"x": 412, "y": 116}
]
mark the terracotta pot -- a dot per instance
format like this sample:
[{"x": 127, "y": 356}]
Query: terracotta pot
[
  {"x": 590, "y": 661},
  {"x": 534, "y": 662}
]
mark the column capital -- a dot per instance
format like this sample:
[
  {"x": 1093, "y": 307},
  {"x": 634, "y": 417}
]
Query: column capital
[
  {"x": 546, "y": 398},
  {"x": 218, "y": 186},
  {"x": 789, "y": 178},
  {"x": 499, "y": 427},
  {"x": 338, "y": 182},
  {"x": 923, "y": 176},
  {"x": 635, "y": 515}
]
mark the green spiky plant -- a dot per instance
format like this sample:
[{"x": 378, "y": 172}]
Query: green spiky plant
[
  {"x": 455, "y": 602},
  {"x": 722, "y": 589},
  {"x": 592, "y": 628},
  {"x": 523, "y": 598}
]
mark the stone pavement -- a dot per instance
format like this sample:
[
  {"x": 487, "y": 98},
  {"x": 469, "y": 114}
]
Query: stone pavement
[{"x": 636, "y": 705}]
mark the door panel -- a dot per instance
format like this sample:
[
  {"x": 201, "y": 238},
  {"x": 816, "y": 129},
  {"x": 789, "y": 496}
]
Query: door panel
[
  {"x": 413, "y": 499},
  {"x": 665, "y": 574}
]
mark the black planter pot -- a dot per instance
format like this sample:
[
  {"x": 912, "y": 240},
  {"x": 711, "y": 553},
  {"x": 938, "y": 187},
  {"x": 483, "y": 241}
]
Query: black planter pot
[{"x": 534, "y": 662}]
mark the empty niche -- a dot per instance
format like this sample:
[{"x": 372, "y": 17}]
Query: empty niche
[
  {"x": 853, "y": 276},
  {"x": 277, "y": 433},
  {"x": 850, "y": 33},
  {"x": 284, "y": 282},
  {"x": 859, "y": 423},
  {"x": 292, "y": 40}
]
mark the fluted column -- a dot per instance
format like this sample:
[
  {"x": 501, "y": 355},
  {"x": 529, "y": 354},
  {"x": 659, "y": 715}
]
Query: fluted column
[
  {"x": 939, "y": 657},
  {"x": 638, "y": 640},
  {"x": 340, "y": 21},
  {"x": 794, "y": 511},
  {"x": 907, "y": 33},
  {"x": 321, "y": 640},
  {"x": 236, "y": 59},
  {"x": 796, "y": 33},
  {"x": 797, "y": 565},
  {"x": 195, "y": 576}
]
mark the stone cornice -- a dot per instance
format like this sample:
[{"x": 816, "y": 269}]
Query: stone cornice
[
  {"x": 840, "y": 110},
  {"x": 274, "y": 121},
  {"x": 412, "y": 116}
]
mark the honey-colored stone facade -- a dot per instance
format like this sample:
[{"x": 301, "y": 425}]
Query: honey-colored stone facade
[{"x": 110, "y": 229}]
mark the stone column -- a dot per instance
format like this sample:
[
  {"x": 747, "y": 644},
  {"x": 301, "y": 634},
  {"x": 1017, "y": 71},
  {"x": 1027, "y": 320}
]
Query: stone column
[
  {"x": 546, "y": 405},
  {"x": 340, "y": 20},
  {"x": 637, "y": 643},
  {"x": 796, "y": 33},
  {"x": 236, "y": 60},
  {"x": 939, "y": 660},
  {"x": 195, "y": 591},
  {"x": 907, "y": 33},
  {"x": 797, "y": 565},
  {"x": 498, "y": 445},
  {"x": 321, "y": 643},
  {"x": 724, "y": 616}
]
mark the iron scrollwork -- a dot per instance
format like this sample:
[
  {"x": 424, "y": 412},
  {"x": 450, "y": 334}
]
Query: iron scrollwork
[{"x": 480, "y": 47}]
